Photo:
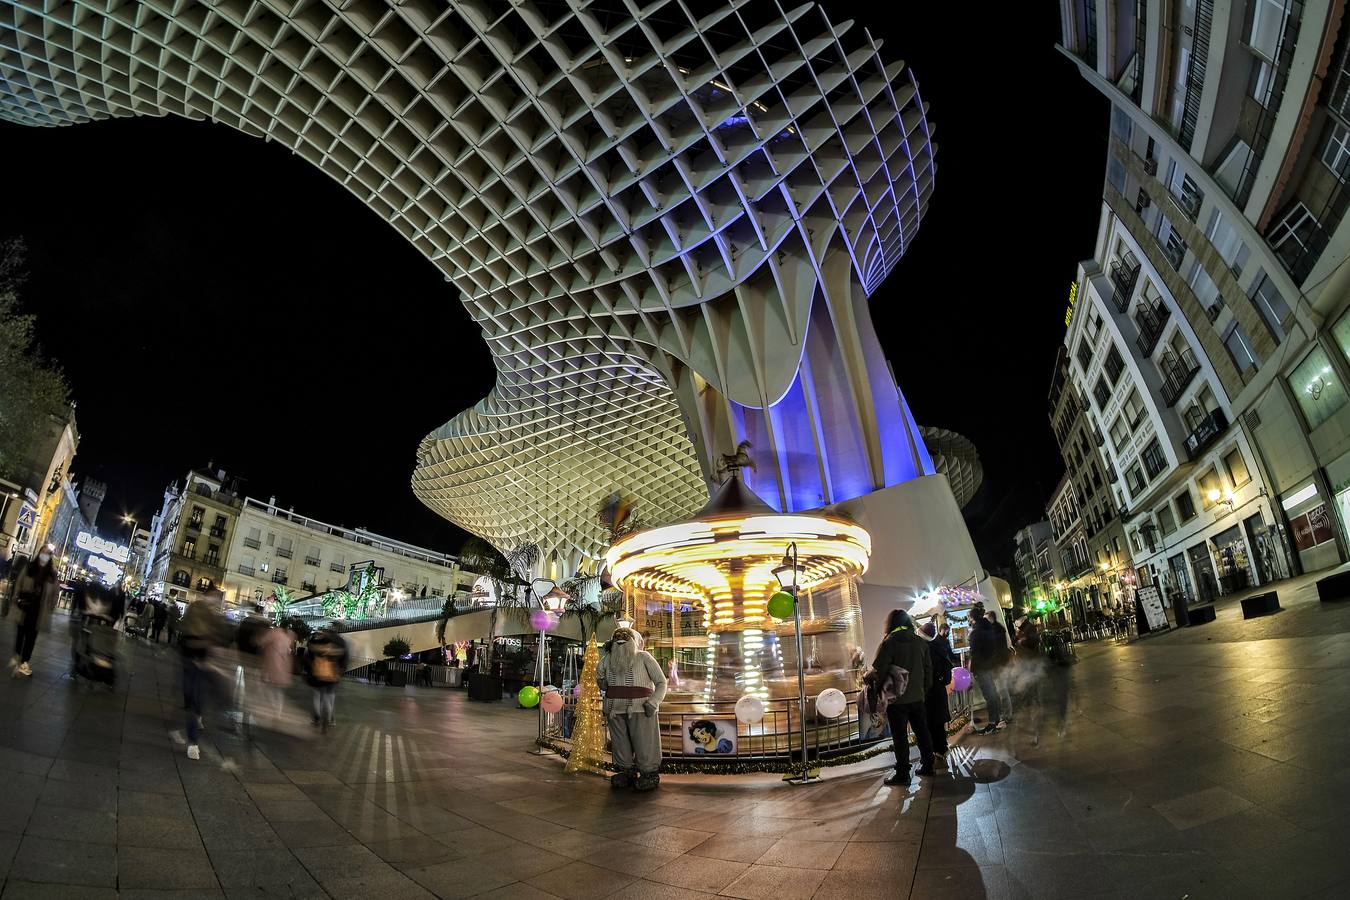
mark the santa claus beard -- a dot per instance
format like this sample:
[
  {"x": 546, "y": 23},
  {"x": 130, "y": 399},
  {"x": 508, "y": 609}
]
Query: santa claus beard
[{"x": 622, "y": 655}]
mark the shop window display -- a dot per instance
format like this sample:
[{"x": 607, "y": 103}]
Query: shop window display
[{"x": 1317, "y": 387}]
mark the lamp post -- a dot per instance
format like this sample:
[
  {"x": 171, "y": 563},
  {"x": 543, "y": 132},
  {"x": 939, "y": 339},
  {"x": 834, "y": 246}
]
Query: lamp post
[
  {"x": 130, "y": 521},
  {"x": 787, "y": 575},
  {"x": 545, "y": 590}
]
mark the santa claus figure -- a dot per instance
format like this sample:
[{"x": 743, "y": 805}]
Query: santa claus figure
[{"x": 634, "y": 686}]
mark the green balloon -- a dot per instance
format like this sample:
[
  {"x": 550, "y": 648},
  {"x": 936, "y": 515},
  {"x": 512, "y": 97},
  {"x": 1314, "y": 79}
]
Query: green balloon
[
  {"x": 781, "y": 605},
  {"x": 528, "y": 696}
]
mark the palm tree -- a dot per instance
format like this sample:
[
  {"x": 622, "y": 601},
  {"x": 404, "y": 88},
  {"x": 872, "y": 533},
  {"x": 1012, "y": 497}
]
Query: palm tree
[
  {"x": 507, "y": 573},
  {"x": 590, "y": 603}
]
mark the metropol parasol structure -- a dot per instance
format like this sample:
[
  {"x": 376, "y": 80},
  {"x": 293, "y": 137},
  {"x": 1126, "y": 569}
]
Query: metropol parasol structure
[{"x": 666, "y": 216}]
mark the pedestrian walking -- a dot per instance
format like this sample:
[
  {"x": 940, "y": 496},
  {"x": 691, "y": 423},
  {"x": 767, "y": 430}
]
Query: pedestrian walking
[
  {"x": 34, "y": 588},
  {"x": 204, "y": 631},
  {"x": 327, "y": 657},
  {"x": 1003, "y": 676},
  {"x": 935, "y": 701},
  {"x": 987, "y": 654},
  {"x": 904, "y": 670},
  {"x": 277, "y": 669},
  {"x": 158, "y": 618},
  {"x": 171, "y": 618},
  {"x": 1029, "y": 673}
]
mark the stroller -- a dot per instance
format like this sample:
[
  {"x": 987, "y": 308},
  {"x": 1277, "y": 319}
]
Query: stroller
[
  {"x": 96, "y": 650},
  {"x": 132, "y": 623}
]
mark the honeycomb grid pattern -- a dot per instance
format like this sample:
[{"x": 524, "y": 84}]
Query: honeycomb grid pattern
[{"x": 590, "y": 174}]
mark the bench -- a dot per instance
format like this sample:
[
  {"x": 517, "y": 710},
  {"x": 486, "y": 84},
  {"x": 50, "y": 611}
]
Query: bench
[
  {"x": 1260, "y": 605},
  {"x": 1334, "y": 587},
  {"x": 1199, "y": 615}
]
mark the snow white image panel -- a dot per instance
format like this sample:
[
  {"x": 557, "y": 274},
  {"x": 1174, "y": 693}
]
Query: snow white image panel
[{"x": 710, "y": 736}]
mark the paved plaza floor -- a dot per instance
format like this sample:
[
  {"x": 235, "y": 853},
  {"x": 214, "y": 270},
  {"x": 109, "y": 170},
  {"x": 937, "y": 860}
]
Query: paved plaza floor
[{"x": 1199, "y": 764}]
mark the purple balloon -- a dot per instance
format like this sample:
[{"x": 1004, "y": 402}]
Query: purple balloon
[
  {"x": 576, "y": 690},
  {"x": 960, "y": 679},
  {"x": 541, "y": 620}
]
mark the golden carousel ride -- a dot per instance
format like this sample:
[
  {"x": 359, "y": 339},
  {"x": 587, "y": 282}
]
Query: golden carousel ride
[{"x": 700, "y": 592}]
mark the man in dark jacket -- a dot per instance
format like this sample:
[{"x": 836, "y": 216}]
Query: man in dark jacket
[
  {"x": 935, "y": 702},
  {"x": 988, "y": 654},
  {"x": 904, "y": 670}
]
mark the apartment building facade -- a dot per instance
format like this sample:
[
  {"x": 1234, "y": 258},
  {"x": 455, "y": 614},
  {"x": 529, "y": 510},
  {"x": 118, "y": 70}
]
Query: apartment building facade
[
  {"x": 190, "y": 535},
  {"x": 1100, "y": 570},
  {"x": 274, "y": 547},
  {"x": 1221, "y": 280}
]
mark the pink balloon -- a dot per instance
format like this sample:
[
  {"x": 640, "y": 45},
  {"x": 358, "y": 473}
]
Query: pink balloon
[
  {"x": 551, "y": 702},
  {"x": 576, "y": 690},
  {"x": 542, "y": 620},
  {"x": 960, "y": 679}
]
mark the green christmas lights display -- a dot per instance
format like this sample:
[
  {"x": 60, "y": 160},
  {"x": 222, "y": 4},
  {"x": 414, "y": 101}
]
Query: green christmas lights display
[
  {"x": 281, "y": 601},
  {"x": 1040, "y": 605},
  {"x": 368, "y": 602}
]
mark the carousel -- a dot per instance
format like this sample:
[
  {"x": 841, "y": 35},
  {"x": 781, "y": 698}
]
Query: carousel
[{"x": 704, "y": 593}]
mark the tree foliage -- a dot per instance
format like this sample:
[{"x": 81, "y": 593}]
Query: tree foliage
[
  {"x": 31, "y": 387},
  {"x": 397, "y": 646}
]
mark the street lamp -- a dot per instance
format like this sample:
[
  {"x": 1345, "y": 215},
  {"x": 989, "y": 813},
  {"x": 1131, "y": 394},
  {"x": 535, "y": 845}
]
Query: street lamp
[
  {"x": 789, "y": 577},
  {"x": 130, "y": 521},
  {"x": 1218, "y": 498}
]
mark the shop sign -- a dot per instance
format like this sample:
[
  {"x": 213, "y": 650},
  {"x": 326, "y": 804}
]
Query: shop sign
[
  {"x": 1312, "y": 528},
  {"x": 1073, "y": 297},
  {"x": 1151, "y": 603}
]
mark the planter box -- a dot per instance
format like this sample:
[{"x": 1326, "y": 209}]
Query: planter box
[
  {"x": 396, "y": 678},
  {"x": 1199, "y": 615},
  {"x": 487, "y": 688},
  {"x": 1260, "y": 605},
  {"x": 1334, "y": 587}
]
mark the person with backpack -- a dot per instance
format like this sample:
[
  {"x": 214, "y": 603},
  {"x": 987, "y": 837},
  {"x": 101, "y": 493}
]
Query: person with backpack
[
  {"x": 904, "y": 670},
  {"x": 34, "y": 588},
  {"x": 327, "y": 660},
  {"x": 935, "y": 701}
]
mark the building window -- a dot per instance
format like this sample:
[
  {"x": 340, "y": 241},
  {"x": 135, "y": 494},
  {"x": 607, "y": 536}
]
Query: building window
[
  {"x": 190, "y": 548},
  {"x": 204, "y": 584},
  {"x": 1295, "y": 239},
  {"x": 181, "y": 578},
  {"x": 1114, "y": 365},
  {"x": 212, "y": 555},
  {"x": 1336, "y": 150},
  {"x": 1317, "y": 388},
  {"x": 1341, "y": 333},
  {"x": 1120, "y": 432},
  {"x": 1133, "y": 409},
  {"x": 1135, "y": 479},
  {"x": 1153, "y": 459},
  {"x": 1209, "y": 483},
  {"x": 254, "y": 539},
  {"x": 1101, "y": 393},
  {"x": 1185, "y": 506},
  {"x": 1240, "y": 349},
  {"x": 1166, "y": 522},
  {"x": 1084, "y": 355},
  {"x": 1237, "y": 468},
  {"x": 1267, "y": 25}
]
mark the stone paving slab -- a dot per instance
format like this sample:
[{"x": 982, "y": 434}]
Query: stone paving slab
[{"x": 1191, "y": 767}]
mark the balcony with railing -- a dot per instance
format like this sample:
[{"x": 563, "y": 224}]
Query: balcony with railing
[
  {"x": 247, "y": 570},
  {"x": 1205, "y": 433},
  {"x": 309, "y": 586},
  {"x": 278, "y": 577},
  {"x": 312, "y": 561},
  {"x": 1124, "y": 275},
  {"x": 217, "y": 531},
  {"x": 283, "y": 552},
  {"x": 336, "y": 567},
  {"x": 1178, "y": 371},
  {"x": 252, "y": 543},
  {"x": 194, "y": 524},
  {"x": 1150, "y": 320},
  {"x": 1097, "y": 435}
]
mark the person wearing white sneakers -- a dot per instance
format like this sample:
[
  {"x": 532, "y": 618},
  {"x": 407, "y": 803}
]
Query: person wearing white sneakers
[{"x": 34, "y": 590}]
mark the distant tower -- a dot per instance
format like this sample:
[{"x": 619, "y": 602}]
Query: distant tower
[{"x": 92, "y": 493}]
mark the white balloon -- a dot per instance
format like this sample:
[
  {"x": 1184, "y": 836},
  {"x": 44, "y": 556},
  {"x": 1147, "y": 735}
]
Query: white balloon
[
  {"x": 750, "y": 709},
  {"x": 831, "y": 703}
]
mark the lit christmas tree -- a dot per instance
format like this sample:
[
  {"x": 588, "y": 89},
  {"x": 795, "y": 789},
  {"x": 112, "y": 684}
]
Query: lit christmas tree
[{"x": 588, "y": 734}]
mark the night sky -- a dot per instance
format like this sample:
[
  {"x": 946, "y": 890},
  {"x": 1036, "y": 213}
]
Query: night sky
[{"x": 213, "y": 297}]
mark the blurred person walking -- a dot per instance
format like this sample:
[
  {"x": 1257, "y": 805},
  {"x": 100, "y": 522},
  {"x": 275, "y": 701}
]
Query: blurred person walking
[
  {"x": 1029, "y": 674},
  {"x": 158, "y": 618},
  {"x": 987, "y": 655},
  {"x": 34, "y": 588},
  {"x": 327, "y": 656},
  {"x": 904, "y": 670},
  {"x": 204, "y": 630},
  {"x": 275, "y": 646},
  {"x": 171, "y": 617}
]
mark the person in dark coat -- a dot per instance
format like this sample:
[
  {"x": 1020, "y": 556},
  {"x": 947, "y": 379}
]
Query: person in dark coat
[
  {"x": 904, "y": 669},
  {"x": 988, "y": 652},
  {"x": 159, "y": 617},
  {"x": 34, "y": 590},
  {"x": 326, "y": 659},
  {"x": 935, "y": 702}
]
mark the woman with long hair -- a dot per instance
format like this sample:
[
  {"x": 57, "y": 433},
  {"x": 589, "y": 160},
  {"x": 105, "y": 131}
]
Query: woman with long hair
[
  {"x": 34, "y": 590},
  {"x": 905, "y": 673}
]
